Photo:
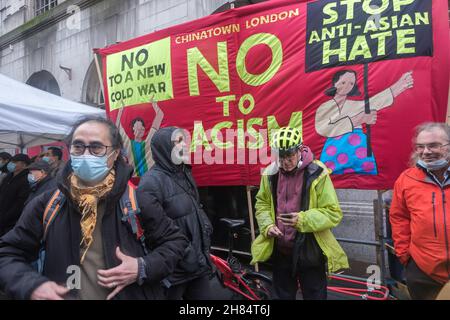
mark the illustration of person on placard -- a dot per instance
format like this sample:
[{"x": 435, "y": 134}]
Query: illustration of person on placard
[
  {"x": 138, "y": 148},
  {"x": 341, "y": 121}
]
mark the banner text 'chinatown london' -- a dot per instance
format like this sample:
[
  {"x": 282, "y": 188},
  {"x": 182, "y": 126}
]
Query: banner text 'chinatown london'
[{"x": 334, "y": 69}]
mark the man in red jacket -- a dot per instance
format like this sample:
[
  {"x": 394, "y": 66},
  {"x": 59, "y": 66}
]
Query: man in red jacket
[{"x": 420, "y": 213}]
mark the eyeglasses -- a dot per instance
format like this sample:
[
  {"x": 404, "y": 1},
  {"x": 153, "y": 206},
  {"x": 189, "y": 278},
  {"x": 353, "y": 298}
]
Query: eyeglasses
[
  {"x": 433, "y": 147},
  {"x": 288, "y": 156},
  {"x": 96, "y": 149},
  {"x": 290, "y": 153}
]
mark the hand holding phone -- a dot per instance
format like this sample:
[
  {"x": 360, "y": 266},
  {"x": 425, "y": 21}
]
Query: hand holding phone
[
  {"x": 274, "y": 232},
  {"x": 289, "y": 219}
]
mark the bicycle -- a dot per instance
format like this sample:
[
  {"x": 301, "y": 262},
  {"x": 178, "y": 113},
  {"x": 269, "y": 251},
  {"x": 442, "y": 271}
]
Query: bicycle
[
  {"x": 360, "y": 289},
  {"x": 246, "y": 284}
]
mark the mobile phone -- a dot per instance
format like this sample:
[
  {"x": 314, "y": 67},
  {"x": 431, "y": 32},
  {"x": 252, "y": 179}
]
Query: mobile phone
[{"x": 285, "y": 215}]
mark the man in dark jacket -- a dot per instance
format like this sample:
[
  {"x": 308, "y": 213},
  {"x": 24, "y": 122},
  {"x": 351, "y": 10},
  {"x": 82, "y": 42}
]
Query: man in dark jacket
[
  {"x": 5, "y": 157},
  {"x": 54, "y": 158},
  {"x": 170, "y": 181},
  {"x": 89, "y": 249},
  {"x": 40, "y": 179},
  {"x": 14, "y": 191}
]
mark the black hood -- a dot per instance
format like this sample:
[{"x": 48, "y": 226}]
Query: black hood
[
  {"x": 161, "y": 146},
  {"x": 123, "y": 174}
]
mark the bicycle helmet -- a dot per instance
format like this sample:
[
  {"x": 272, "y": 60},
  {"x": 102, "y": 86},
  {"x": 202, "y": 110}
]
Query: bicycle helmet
[{"x": 286, "y": 141}]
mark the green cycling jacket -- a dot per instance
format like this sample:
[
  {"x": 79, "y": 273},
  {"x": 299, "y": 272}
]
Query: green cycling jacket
[{"x": 321, "y": 215}]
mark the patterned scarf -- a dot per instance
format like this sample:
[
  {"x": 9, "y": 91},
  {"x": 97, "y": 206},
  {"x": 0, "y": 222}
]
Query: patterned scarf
[{"x": 87, "y": 199}]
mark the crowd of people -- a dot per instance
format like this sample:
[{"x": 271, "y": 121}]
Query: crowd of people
[{"x": 152, "y": 241}]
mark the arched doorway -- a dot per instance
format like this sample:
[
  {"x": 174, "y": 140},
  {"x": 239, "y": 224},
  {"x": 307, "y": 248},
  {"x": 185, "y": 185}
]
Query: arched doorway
[
  {"x": 45, "y": 81},
  {"x": 92, "y": 91}
]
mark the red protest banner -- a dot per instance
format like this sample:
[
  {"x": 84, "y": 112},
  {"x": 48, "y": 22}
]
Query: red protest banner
[{"x": 355, "y": 78}]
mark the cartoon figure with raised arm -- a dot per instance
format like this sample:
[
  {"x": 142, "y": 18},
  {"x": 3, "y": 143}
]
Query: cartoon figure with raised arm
[
  {"x": 340, "y": 120},
  {"x": 138, "y": 149}
]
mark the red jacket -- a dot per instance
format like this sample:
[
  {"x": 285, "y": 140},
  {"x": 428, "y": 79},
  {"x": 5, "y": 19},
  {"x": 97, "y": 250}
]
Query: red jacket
[{"x": 420, "y": 219}]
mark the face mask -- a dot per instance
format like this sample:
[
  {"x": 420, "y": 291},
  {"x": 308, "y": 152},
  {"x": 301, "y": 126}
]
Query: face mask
[
  {"x": 31, "y": 180},
  {"x": 435, "y": 165},
  {"x": 46, "y": 159},
  {"x": 11, "y": 167},
  {"x": 179, "y": 156},
  {"x": 90, "y": 168}
]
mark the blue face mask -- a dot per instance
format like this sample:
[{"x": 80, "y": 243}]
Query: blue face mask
[
  {"x": 31, "y": 180},
  {"x": 46, "y": 159},
  {"x": 435, "y": 165},
  {"x": 11, "y": 167},
  {"x": 90, "y": 168}
]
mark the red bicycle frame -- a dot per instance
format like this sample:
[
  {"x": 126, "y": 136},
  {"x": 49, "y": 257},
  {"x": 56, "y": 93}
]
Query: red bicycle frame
[
  {"x": 232, "y": 280},
  {"x": 365, "y": 293}
]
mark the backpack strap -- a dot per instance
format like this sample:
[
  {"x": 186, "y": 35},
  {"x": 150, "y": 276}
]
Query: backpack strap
[
  {"x": 130, "y": 214},
  {"x": 128, "y": 206},
  {"x": 51, "y": 211}
]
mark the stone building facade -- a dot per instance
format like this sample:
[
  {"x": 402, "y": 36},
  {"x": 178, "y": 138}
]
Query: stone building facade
[{"x": 49, "y": 43}]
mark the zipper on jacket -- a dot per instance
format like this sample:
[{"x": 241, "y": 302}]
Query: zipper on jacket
[
  {"x": 433, "y": 197},
  {"x": 444, "y": 202},
  {"x": 286, "y": 194}
]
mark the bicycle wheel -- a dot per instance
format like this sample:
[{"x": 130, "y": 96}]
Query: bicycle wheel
[{"x": 260, "y": 284}]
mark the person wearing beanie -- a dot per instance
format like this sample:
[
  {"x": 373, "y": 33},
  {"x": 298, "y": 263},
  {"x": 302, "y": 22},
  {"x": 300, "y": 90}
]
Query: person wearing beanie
[
  {"x": 40, "y": 179},
  {"x": 4, "y": 159},
  {"x": 14, "y": 191}
]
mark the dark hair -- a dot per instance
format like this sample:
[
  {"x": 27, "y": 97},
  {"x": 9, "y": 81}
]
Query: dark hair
[
  {"x": 5, "y": 156},
  {"x": 138, "y": 119},
  {"x": 57, "y": 152},
  {"x": 22, "y": 157},
  {"x": 332, "y": 91},
  {"x": 114, "y": 134}
]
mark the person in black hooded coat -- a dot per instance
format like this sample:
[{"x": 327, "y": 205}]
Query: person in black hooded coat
[{"x": 171, "y": 182}]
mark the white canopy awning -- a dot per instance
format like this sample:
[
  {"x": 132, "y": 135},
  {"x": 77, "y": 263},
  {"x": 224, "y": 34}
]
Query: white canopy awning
[{"x": 31, "y": 117}]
